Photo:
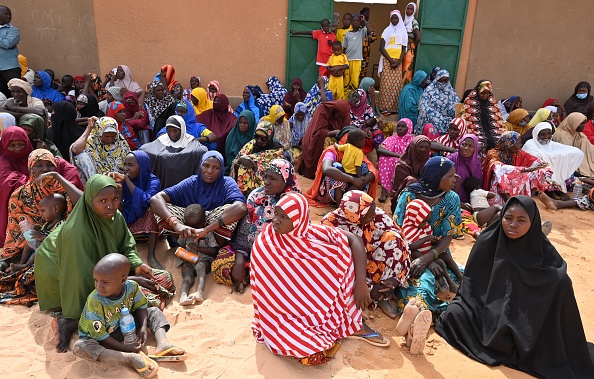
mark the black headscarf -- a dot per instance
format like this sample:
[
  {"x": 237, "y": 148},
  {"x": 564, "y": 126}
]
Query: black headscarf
[
  {"x": 573, "y": 104},
  {"x": 91, "y": 107},
  {"x": 64, "y": 130},
  {"x": 516, "y": 305}
]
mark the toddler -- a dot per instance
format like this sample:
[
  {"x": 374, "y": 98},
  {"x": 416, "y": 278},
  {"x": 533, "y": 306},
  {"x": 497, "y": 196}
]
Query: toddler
[
  {"x": 52, "y": 209},
  {"x": 353, "y": 155},
  {"x": 206, "y": 249},
  {"x": 483, "y": 213},
  {"x": 337, "y": 64},
  {"x": 419, "y": 236},
  {"x": 100, "y": 337}
]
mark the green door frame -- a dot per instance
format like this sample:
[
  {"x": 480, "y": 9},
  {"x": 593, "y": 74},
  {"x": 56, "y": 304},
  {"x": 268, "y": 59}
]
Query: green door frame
[
  {"x": 304, "y": 15},
  {"x": 434, "y": 35}
]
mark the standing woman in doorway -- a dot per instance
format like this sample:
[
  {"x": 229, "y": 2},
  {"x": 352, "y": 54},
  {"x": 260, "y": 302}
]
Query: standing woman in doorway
[
  {"x": 414, "y": 38},
  {"x": 393, "y": 48}
]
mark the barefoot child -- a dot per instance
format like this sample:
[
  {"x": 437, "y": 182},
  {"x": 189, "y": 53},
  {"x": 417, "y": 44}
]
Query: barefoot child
[
  {"x": 100, "y": 337},
  {"x": 337, "y": 64},
  {"x": 484, "y": 214},
  {"x": 52, "y": 209},
  {"x": 353, "y": 155},
  {"x": 353, "y": 46},
  {"x": 389, "y": 153},
  {"x": 419, "y": 236},
  {"x": 206, "y": 249}
]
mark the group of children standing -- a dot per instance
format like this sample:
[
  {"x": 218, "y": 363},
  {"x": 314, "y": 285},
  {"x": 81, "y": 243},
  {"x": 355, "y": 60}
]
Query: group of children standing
[{"x": 340, "y": 52}]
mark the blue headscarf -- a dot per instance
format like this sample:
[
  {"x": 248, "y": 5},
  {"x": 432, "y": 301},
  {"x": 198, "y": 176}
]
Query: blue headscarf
[
  {"x": 147, "y": 185},
  {"x": 410, "y": 97},
  {"x": 433, "y": 172},
  {"x": 250, "y": 105},
  {"x": 438, "y": 105},
  {"x": 46, "y": 91},
  {"x": 236, "y": 140},
  {"x": 299, "y": 127}
]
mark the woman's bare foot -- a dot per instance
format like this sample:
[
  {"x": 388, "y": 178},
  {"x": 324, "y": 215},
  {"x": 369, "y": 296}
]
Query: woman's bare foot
[
  {"x": 154, "y": 263},
  {"x": 547, "y": 201},
  {"x": 418, "y": 332},
  {"x": 186, "y": 300},
  {"x": 553, "y": 195},
  {"x": 383, "y": 196},
  {"x": 388, "y": 308},
  {"x": 411, "y": 310}
]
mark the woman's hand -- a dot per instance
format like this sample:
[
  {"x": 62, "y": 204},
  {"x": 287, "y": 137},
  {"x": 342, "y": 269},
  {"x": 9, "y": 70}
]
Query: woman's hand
[
  {"x": 116, "y": 176},
  {"x": 39, "y": 144},
  {"x": 199, "y": 234},
  {"x": 246, "y": 162},
  {"x": 144, "y": 282},
  {"x": 144, "y": 270},
  {"x": 91, "y": 122},
  {"x": 420, "y": 264},
  {"x": 435, "y": 269},
  {"x": 466, "y": 206},
  {"x": 394, "y": 63},
  {"x": 45, "y": 178},
  {"x": 163, "y": 74},
  {"x": 362, "y": 295},
  {"x": 184, "y": 231},
  {"x": 382, "y": 288},
  {"x": 138, "y": 115},
  {"x": 358, "y": 182}
]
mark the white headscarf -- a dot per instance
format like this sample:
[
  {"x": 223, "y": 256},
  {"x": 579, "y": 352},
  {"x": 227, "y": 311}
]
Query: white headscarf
[
  {"x": 397, "y": 31},
  {"x": 563, "y": 159},
  {"x": 409, "y": 19},
  {"x": 552, "y": 108},
  {"x": 184, "y": 138}
]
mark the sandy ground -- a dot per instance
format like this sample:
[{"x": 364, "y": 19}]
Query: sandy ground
[{"x": 218, "y": 338}]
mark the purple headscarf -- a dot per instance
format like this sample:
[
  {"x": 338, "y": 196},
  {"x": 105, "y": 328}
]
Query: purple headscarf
[{"x": 466, "y": 167}]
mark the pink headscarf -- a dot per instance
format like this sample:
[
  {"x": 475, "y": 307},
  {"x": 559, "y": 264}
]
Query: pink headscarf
[{"x": 430, "y": 132}]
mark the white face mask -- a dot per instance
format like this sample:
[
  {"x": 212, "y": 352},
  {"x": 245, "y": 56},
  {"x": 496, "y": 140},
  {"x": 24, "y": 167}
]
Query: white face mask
[{"x": 522, "y": 123}]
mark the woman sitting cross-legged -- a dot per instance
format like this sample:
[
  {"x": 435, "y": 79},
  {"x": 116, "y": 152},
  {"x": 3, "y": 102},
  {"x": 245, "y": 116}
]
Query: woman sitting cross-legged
[{"x": 305, "y": 317}]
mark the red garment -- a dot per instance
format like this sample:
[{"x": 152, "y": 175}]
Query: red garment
[
  {"x": 14, "y": 171},
  {"x": 522, "y": 159},
  {"x": 324, "y": 48},
  {"x": 290, "y": 98},
  {"x": 170, "y": 76},
  {"x": 302, "y": 285},
  {"x": 136, "y": 124},
  {"x": 331, "y": 115},
  {"x": 549, "y": 102},
  {"x": 589, "y": 131},
  {"x": 128, "y": 132},
  {"x": 219, "y": 121}
]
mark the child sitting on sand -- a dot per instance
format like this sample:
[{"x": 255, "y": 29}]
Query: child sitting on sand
[
  {"x": 419, "y": 236},
  {"x": 483, "y": 213},
  {"x": 100, "y": 337},
  {"x": 206, "y": 249},
  {"x": 52, "y": 209}
]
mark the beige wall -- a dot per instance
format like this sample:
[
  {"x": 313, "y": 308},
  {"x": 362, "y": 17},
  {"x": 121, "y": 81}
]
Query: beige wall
[
  {"x": 234, "y": 42},
  {"x": 537, "y": 50},
  {"x": 56, "y": 36}
]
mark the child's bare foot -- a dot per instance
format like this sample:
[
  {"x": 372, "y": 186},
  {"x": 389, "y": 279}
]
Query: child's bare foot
[
  {"x": 198, "y": 297},
  {"x": 388, "y": 308},
  {"x": 411, "y": 310},
  {"x": 15, "y": 267},
  {"x": 547, "y": 201},
  {"x": 383, "y": 196},
  {"x": 144, "y": 366},
  {"x": 154, "y": 263},
  {"x": 168, "y": 349},
  {"x": 186, "y": 300}
]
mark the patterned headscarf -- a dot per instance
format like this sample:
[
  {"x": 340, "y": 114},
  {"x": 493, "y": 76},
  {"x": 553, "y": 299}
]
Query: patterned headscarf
[
  {"x": 299, "y": 127},
  {"x": 276, "y": 111},
  {"x": 107, "y": 158},
  {"x": 215, "y": 84},
  {"x": 447, "y": 141},
  {"x": 354, "y": 206},
  {"x": 39, "y": 155},
  {"x": 504, "y": 146},
  {"x": 287, "y": 171},
  {"x": 115, "y": 92}
]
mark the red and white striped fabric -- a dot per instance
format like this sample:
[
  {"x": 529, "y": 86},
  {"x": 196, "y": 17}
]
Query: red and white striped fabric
[
  {"x": 302, "y": 285},
  {"x": 416, "y": 211},
  {"x": 447, "y": 141}
]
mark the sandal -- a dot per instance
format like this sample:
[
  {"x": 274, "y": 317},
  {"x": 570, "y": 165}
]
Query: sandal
[
  {"x": 147, "y": 366},
  {"x": 367, "y": 338}
]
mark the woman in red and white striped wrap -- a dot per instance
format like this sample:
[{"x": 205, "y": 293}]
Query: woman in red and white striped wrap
[{"x": 307, "y": 287}]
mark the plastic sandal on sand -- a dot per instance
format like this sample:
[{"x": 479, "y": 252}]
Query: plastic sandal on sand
[{"x": 367, "y": 338}]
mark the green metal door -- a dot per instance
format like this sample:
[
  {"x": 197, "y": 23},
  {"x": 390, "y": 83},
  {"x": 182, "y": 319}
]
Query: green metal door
[
  {"x": 305, "y": 15},
  {"x": 442, "y": 30}
]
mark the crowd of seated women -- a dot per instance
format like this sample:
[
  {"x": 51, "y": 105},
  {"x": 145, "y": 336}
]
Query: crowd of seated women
[{"x": 121, "y": 154}]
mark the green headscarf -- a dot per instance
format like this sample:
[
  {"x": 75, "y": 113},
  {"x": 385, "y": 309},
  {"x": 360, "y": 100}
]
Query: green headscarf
[
  {"x": 364, "y": 85},
  {"x": 39, "y": 131},
  {"x": 236, "y": 139},
  {"x": 65, "y": 261}
]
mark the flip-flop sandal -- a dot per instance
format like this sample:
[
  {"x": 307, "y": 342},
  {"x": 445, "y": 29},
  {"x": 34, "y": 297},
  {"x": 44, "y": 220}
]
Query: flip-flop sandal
[
  {"x": 165, "y": 356},
  {"x": 366, "y": 337},
  {"x": 420, "y": 328},
  {"x": 546, "y": 226},
  {"x": 147, "y": 365}
]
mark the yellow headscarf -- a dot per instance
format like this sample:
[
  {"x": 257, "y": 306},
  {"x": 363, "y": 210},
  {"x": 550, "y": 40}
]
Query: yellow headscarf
[
  {"x": 23, "y": 64},
  {"x": 203, "y": 103},
  {"x": 276, "y": 111},
  {"x": 513, "y": 121},
  {"x": 541, "y": 115}
]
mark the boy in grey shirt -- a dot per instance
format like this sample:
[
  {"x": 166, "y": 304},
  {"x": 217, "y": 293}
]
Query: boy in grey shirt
[{"x": 353, "y": 48}]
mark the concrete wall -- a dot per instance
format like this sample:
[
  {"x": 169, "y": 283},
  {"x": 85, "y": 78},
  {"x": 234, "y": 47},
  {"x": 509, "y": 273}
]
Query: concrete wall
[
  {"x": 234, "y": 42},
  {"x": 56, "y": 34},
  {"x": 537, "y": 50}
]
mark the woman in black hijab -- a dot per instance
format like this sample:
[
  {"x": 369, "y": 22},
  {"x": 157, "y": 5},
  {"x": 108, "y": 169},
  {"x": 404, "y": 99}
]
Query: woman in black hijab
[
  {"x": 516, "y": 305},
  {"x": 64, "y": 130},
  {"x": 581, "y": 99}
]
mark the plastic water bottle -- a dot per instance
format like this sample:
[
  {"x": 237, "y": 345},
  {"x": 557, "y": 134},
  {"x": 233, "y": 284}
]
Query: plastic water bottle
[
  {"x": 27, "y": 229},
  {"x": 577, "y": 189},
  {"x": 128, "y": 328}
]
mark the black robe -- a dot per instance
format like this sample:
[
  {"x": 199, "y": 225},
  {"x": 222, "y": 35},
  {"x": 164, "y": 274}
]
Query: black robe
[{"x": 516, "y": 306}]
